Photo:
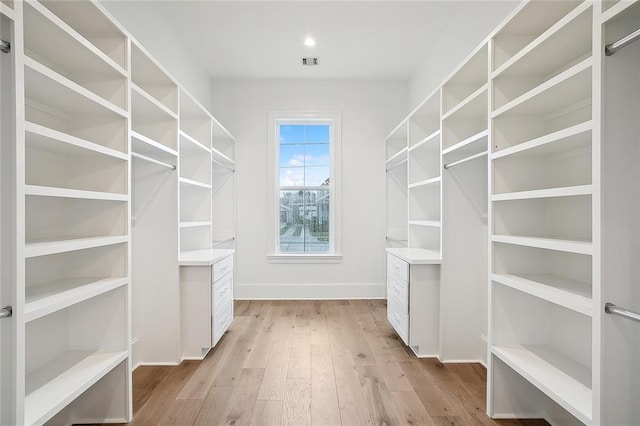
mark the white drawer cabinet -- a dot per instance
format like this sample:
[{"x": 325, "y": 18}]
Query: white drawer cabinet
[
  {"x": 207, "y": 303},
  {"x": 413, "y": 303}
]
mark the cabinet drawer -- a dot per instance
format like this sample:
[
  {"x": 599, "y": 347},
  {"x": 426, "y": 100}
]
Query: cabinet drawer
[
  {"x": 221, "y": 268},
  {"x": 221, "y": 320},
  {"x": 222, "y": 291},
  {"x": 397, "y": 268},
  {"x": 398, "y": 318},
  {"x": 398, "y": 288}
]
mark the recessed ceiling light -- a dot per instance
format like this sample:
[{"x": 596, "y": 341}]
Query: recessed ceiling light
[{"x": 309, "y": 42}]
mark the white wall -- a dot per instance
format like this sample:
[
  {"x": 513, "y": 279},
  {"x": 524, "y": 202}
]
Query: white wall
[
  {"x": 151, "y": 29},
  {"x": 369, "y": 110},
  {"x": 444, "y": 55}
]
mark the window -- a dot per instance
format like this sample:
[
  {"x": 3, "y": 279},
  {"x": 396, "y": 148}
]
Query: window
[{"x": 304, "y": 163}]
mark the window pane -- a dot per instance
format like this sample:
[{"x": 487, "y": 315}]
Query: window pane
[
  {"x": 291, "y": 155},
  {"x": 292, "y": 176},
  {"x": 291, "y": 133},
  {"x": 291, "y": 222},
  {"x": 316, "y": 133},
  {"x": 316, "y": 175},
  {"x": 304, "y": 221},
  {"x": 316, "y": 221},
  {"x": 316, "y": 154}
]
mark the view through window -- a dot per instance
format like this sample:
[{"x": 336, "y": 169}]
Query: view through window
[{"x": 304, "y": 186}]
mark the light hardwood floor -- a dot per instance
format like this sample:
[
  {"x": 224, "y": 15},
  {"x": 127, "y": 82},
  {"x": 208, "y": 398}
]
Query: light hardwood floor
[{"x": 312, "y": 362}]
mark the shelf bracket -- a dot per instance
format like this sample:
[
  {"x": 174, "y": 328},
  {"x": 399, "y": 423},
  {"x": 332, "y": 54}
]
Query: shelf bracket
[
  {"x": 6, "y": 312},
  {"x": 5, "y": 46}
]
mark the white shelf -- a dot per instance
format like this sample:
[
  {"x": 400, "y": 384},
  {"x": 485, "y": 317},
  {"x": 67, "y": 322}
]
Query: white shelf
[
  {"x": 427, "y": 223},
  {"x": 78, "y": 37},
  {"x": 399, "y": 129},
  {"x": 425, "y": 182},
  {"x": 544, "y": 193},
  {"x": 7, "y": 11},
  {"x": 194, "y": 142},
  {"x": 147, "y": 146},
  {"x": 203, "y": 257},
  {"x": 571, "y": 294},
  {"x": 75, "y": 97},
  {"x": 46, "y": 191},
  {"x": 471, "y": 106},
  {"x": 47, "y": 247},
  {"x": 416, "y": 256},
  {"x": 47, "y": 298},
  {"x": 397, "y": 158},
  {"x": 567, "y": 88},
  {"x": 431, "y": 137},
  {"x": 471, "y": 145},
  {"x": 569, "y": 139},
  {"x": 220, "y": 157},
  {"x": 194, "y": 224},
  {"x": 570, "y": 246},
  {"x": 146, "y": 105},
  {"x": 553, "y": 55},
  {"x": 43, "y": 138},
  {"x": 194, "y": 183},
  {"x": 616, "y": 10},
  {"x": 559, "y": 377},
  {"x": 53, "y": 386}
]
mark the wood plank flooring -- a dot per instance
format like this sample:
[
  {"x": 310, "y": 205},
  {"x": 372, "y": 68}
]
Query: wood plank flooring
[{"x": 312, "y": 363}]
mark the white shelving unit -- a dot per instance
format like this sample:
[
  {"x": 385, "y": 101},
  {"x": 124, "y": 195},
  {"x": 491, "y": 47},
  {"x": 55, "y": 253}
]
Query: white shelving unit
[
  {"x": 414, "y": 227},
  {"x": 223, "y": 182},
  {"x": 544, "y": 245},
  {"x": 73, "y": 226},
  {"x": 465, "y": 101},
  {"x": 154, "y": 136}
]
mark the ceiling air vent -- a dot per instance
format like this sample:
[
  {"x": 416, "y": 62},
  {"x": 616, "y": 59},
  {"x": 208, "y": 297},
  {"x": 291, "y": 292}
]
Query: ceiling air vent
[{"x": 310, "y": 61}]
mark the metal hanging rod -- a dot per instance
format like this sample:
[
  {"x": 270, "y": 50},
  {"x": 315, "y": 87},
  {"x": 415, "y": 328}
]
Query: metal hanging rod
[
  {"x": 404, "y": 160},
  {"x": 5, "y": 46},
  {"x": 151, "y": 160},
  {"x": 218, "y": 243},
  {"x": 610, "y": 49},
  {"x": 6, "y": 312},
  {"x": 612, "y": 309},
  {"x": 223, "y": 165},
  {"x": 464, "y": 160}
]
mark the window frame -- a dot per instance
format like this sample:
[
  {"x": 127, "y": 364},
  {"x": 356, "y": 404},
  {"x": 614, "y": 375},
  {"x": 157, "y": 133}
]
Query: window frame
[{"x": 334, "y": 255}]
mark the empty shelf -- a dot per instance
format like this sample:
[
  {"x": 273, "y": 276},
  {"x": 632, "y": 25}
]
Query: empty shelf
[{"x": 416, "y": 256}]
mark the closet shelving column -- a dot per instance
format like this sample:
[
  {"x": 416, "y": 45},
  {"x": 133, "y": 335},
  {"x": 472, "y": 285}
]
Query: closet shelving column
[
  {"x": 543, "y": 256},
  {"x": 154, "y": 240},
  {"x": 464, "y": 187},
  {"x": 75, "y": 364},
  {"x": 413, "y": 212},
  {"x": 224, "y": 188},
  {"x": 620, "y": 337},
  {"x": 396, "y": 186}
]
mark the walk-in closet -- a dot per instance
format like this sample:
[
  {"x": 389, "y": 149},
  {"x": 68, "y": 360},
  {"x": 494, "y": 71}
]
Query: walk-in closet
[{"x": 319, "y": 213}]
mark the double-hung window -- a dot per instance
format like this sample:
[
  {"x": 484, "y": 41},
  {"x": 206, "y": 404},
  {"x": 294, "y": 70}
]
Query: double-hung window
[{"x": 304, "y": 151}]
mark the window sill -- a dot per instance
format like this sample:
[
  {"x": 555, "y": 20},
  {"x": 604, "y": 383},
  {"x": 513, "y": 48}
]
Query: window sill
[{"x": 304, "y": 258}]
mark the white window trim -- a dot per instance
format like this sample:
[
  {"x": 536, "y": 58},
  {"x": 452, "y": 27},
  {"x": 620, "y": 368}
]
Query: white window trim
[{"x": 335, "y": 253}]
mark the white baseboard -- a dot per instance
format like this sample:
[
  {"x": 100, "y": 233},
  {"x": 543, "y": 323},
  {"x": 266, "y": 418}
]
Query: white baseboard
[{"x": 313, "y": 291}]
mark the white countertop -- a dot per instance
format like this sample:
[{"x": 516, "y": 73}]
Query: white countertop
[
  {"x": 416, "y": 256},
  {"x": 203, "y": 257}
]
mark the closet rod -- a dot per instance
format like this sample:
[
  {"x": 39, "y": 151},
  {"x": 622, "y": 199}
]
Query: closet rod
[
  {"x": 403, "y": 242},
  {"x": 610, "y": 308},
  {"x": 218, "y": 243},
  {"x": 404, "y": 160},
  {"x": 223, "y": 165},
  {"x": 151, "y": 160},
  {"x": 5, "y": 46},
  {"x": 610, "y": 49},
  {"x": 464, "y": 160}
]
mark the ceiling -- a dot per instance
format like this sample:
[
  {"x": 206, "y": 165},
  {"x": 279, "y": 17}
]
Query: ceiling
[{"x": 355, "y": 39}]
